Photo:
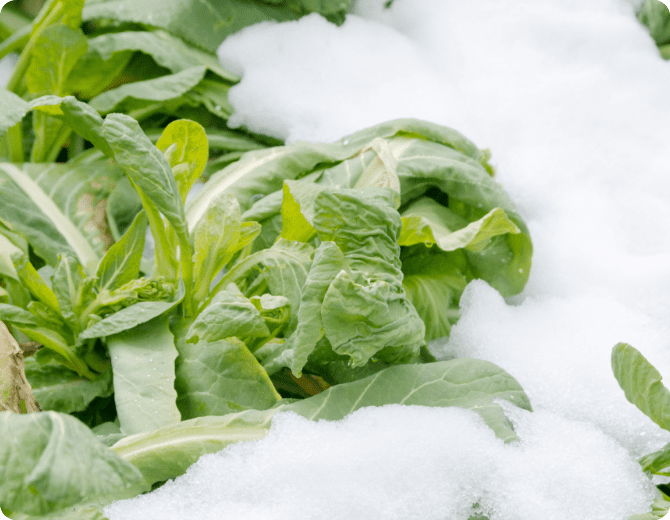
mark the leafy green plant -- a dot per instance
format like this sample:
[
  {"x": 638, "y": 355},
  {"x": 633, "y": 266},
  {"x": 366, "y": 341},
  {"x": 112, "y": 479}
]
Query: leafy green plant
[
  {"x": 152, "y": 60},
  {"x": 655, "y": 15},
  {"x": 642, "y": 385},
  {"x": 300, "y": 278},
  {"x": 457, "y": 222},
  {"x": 137, "y": 461}
]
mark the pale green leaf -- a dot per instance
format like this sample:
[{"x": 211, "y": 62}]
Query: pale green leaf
[
  {"x": 215, "y": 240},
  {"x": 434, "y": 284},
  {"x": 220, "y": 377},
  {"x": 328, "y": 262},
  {"x": 657, "y": 461},
  {"x": 229, "y": 314},
  {"x": 143, "y": 362},
  {"x": 48, "y": 225},
  {"x": 85, "y": 121},
  {"x": 427, "y": 222},
  {"x": 52, "y": 460}
]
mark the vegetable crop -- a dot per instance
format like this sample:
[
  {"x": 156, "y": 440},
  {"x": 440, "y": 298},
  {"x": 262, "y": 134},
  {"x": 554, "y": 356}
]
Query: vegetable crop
[{"x": 306, "y": 277}]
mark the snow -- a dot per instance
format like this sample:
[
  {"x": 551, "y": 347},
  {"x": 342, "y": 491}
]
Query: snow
[
  {"x": 405, "y": 463},
  {"x": 571, "y": 98}
]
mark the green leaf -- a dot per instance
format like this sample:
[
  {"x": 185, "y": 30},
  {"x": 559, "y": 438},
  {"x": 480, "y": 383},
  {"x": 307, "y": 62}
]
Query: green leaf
[
  {"x": 427, "y": 222},
  {"x": 641, "y": 383},
  {"x": 202, "y": 23},
  {"x": 434, "y": 284},
  {"x": 12, "y": 110},
  {"x": 82, "y": 511},
  {"x": 67, "y": 12},
  {"x": 213, "y": 95},
  {"x": 55, "y": 53},
  {"x": 220, "y": 377},
  {"x": 146, "y": 167},
  {"x": 297, "y": 210},
  {"x": 70, "y": 290},
  {"x": 7, "y": 249},
  {"x": 47, "y": 465},
  {"x": 32, "y": 281},
  {"x": 17, "y": 316},
  {"x": 217, "y": 237},
  {"x": 656, "y": 17},
  {"x": 229, "y": 314},
  {"x": 280, "y": 270},
  {"x": 328, "y": 262},
  {"x": 275, "y": 311},
  {"x": 365, "y": 311},
  {"x": 466, "y": 383},
  {"x": 657, "y": 461},
  {"x": 48, "y": 225},
  {"x": 121, "y": 263},
  {"x": 57, "y": 348},
  {"x": 168, "y": 51},
  {"x": 184, "y": 145},
  {"x": 86, "y": 122},
  {"x": 162, "y": 88},
  {"x": 143, "y": 361},
  {"x": 59, "y": 389},
  {"x": 92, "y": 75},
  {"x": 77, "y": 115},
  {"x": 128, "y": 318}
]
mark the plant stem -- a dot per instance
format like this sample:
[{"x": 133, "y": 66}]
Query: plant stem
[
  {"x": 24, "y": 59},
  {"x": 15, "y": 140},
  {"x": 187, "y": 274}
]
